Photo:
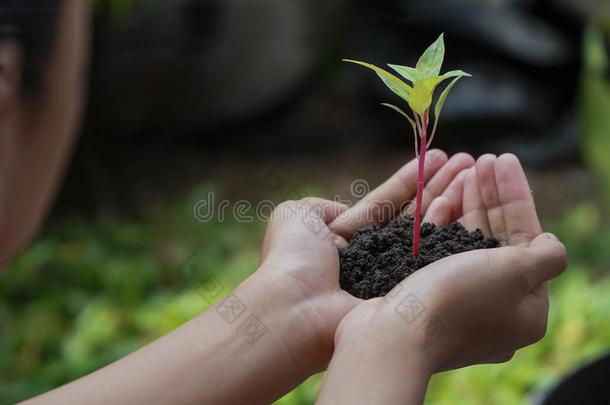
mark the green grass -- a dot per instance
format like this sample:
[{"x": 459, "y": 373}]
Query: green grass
[{"x": 88, "y": 292}]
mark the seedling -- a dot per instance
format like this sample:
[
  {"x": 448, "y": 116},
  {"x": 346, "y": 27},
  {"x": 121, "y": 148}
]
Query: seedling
[{"x": 424, "y": 78}]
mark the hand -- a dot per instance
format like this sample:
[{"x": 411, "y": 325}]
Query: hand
[
  {"x": 299, "y": 258},
  {"x": 493, "y": 196},
  {"x": 478, "y": 306}
]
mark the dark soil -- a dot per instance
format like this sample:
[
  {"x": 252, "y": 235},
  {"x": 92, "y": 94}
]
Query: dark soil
[{"x": 377, "y": 259}]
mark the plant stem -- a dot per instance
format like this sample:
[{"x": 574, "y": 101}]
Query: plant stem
[{"x": 420, "y": 184}]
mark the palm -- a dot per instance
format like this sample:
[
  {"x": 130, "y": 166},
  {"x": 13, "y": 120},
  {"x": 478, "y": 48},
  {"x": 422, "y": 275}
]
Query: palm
[
  {"x": 493, "y": 196},
  {"x": 312, "y": 256}
]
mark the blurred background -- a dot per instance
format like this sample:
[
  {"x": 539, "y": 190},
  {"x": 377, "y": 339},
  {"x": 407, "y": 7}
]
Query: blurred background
[{"x": 248, "y": 100}]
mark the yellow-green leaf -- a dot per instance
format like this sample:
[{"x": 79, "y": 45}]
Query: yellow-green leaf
[
  {"x": 429, "y": 64},
  {"x": 407, "y": 72},
  {"x": 400, "y": 88},
  {"x": 441, "y": 101},
  {"x": 456, "y": 73},
  {"x": 413, "y": 124},
  {"x": 401, "y": 112},
  {"x": 443, "y": 97},
  {"x": 421, "y": 96},
  {"x": 423, "y": 90}
]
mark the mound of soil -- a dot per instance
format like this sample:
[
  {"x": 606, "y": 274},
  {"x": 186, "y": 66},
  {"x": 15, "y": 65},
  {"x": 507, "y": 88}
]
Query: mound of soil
[{"x": 377, "y": 259}]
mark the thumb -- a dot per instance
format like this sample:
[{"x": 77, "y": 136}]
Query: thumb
[{"x": 548, "y": 257}]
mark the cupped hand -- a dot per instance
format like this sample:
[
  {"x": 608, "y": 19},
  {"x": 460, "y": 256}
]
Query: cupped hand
[
  {"x": 493, "y": 196},
  {"x": 478, "y": 306},
  {"x": 299, "y": 258}
]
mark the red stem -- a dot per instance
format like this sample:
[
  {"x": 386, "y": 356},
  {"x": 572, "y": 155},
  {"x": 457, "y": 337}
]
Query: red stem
[{"x": 420, "y": 185}]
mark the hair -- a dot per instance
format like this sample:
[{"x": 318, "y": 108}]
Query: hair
[{"x": 32, "y": 23}]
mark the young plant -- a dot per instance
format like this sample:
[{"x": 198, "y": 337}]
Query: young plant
[{"x": 423, "y": 80}]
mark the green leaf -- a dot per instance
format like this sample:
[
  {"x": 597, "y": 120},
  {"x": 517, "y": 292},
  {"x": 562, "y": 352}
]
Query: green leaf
[
  {"x": 423, "y": 90},
  {"x": 441, "y": 102},
  {"x": 413, "y": 124},
  {"x": 401, "y": 112},
  {"x": 455, "y": 73},
  {"x": 407, "y": 72},
  {"x": 421, "y": 96},
  {"x": 400, "y": 88},
  {"x": 429, "y": 64}
]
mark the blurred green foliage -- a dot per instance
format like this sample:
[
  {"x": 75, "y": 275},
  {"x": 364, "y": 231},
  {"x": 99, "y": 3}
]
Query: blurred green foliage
[
  {"x": 90, "y": 291},
  {"x": 595, "y": 105},
  {"x": 578, "y": 331},
  {"x": 116, "y": 9}
]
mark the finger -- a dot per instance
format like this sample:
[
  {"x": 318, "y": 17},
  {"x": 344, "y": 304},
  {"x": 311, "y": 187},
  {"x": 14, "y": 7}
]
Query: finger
[
  {"x": 340, "y": 242},
  {"x": 541, "y": 290},
  {"x": 518, "y": 267},
  {"x": 447, "y": 208},
  {"x": 515, "y": 197},
  {"x": 439, "y": 212},
  {"x": 475, "y": 213},
  {"x": 445, "y": 177},
  {"x": 548, "y": 259},
  {"x": 503, "y": 358},
  {"x": 517, "y": 270},
  {"x": 486, "y": 175},
  {"x": 327, "y": 210},
  {"x": 383, "y": 202},
  {"x": 312, "y": 211}
]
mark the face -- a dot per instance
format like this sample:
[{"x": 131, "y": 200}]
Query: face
[
  {"x": 10, "y": 77},
  {"x": 38, "y": 125}
]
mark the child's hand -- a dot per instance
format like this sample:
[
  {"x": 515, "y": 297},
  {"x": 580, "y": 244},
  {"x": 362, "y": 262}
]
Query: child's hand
[{"x": 300, "y": 262}]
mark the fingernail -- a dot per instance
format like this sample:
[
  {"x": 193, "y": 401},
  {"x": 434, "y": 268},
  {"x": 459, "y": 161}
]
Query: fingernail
[
  {"x": 551, "y": 236},
  {"x": 432, "y": 156},
  {"x": 490, "y": 156}
]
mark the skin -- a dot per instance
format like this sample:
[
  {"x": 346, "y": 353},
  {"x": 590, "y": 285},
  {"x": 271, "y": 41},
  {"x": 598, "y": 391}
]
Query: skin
[
  {"x": 472, "y": 308},
  {"x": 301, "y": 316},
  {"x": 294, "y": 297},
  {"x": 37, "y": 131}
]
